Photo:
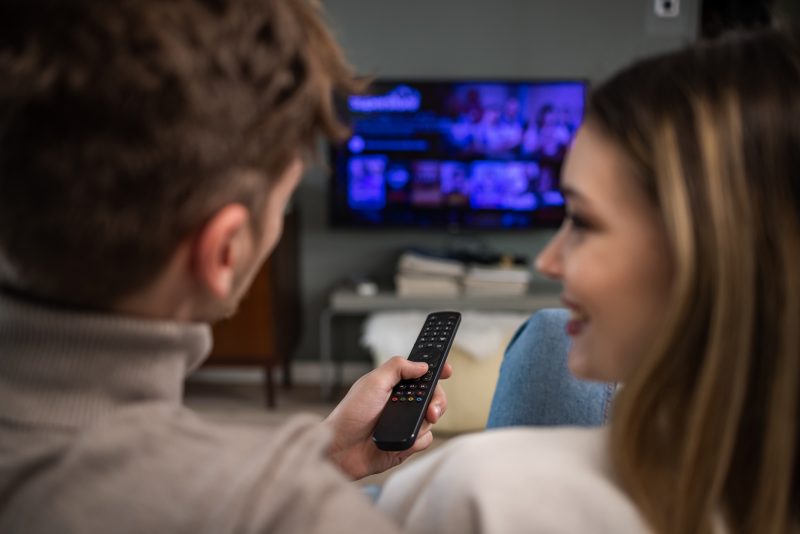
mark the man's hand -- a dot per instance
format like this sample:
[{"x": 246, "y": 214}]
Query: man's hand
[{"x": 354, "y": 419}]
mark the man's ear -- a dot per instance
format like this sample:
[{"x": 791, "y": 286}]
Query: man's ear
[{"x": 220, "y": 247}]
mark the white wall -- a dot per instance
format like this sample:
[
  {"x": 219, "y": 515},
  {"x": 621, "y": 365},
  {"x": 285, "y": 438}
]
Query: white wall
[{"x": 465, "y": 38}]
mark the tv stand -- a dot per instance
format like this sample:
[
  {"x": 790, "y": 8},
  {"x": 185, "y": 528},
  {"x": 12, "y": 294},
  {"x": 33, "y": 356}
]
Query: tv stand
[{"x": 348, "y": 303}]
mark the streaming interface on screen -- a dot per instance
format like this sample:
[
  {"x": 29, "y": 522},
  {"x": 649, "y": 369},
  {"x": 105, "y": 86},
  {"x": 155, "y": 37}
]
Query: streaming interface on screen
[{"x": 458, "y": 154}]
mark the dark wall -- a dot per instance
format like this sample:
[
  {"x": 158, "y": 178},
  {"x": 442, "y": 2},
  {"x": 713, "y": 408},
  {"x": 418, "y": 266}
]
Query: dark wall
[{"x": 465, "y": 38}]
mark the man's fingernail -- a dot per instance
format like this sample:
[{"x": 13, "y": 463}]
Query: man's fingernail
[{"x": 437, "y": 410}]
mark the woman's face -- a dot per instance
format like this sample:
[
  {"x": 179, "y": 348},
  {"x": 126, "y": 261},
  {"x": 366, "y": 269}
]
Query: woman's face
[{"x": 612, "y": 257}]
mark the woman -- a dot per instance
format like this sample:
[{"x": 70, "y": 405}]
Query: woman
[{"x": 680, "y": 261}]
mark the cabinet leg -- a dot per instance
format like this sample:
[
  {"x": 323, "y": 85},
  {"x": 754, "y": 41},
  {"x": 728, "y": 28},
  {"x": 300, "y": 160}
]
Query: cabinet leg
[
  {"x": 269, "y": 387},
  {"x": 287, "y": 373}
]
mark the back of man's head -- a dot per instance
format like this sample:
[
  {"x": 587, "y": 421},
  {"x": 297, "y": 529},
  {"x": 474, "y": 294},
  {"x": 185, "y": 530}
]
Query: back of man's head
[{"x": 124, "y": 125}]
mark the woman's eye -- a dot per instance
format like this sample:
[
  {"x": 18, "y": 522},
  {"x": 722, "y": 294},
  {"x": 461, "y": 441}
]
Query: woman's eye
[
  {"x": 577, "y": 222},
  {"x": 580, "y": 222}
]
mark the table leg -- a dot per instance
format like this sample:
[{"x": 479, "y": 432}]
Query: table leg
[{"x": 325, "y": 353}]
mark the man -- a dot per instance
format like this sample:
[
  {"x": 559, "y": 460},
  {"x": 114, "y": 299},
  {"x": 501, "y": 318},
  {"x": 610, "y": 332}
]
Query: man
[{"x": 147, "y": 151}]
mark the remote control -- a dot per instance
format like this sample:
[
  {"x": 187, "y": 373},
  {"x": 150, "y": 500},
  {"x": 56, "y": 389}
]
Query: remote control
[{"x": 404, "y": 413}]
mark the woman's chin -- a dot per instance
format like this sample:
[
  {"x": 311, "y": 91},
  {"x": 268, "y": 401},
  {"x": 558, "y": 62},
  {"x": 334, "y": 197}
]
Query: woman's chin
[
  {"x": 578, "y": 364},
  {"x": 582, "y": 366}
]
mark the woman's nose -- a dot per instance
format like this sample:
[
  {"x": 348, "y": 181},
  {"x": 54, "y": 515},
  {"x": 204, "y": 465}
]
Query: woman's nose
[{"x": 548, "y": 262}]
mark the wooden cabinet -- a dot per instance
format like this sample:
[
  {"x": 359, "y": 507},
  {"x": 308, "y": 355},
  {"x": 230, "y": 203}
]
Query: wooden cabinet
[{"x": 266, "y": 329}]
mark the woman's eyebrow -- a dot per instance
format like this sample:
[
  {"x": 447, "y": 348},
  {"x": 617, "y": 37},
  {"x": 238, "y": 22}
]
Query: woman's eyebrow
[{"x": 571, "y": 193}]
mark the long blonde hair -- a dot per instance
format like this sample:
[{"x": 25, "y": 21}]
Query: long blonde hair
[{"x": 706, "y": 429}]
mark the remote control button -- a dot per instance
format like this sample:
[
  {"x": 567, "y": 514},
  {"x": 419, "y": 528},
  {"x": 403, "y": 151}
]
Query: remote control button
[
  {"x": 394, "y": 399},
  {"x": 419, "y": 399},
  {"x": 423, "y": 386},
  {"x": 427, "y": 379},
  {"x": 402, "y": 399},
  {"x": 402, "y": 386}
]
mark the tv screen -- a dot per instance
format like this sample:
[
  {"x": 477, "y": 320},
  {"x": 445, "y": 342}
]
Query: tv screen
[{"x": 481, "y": 155}]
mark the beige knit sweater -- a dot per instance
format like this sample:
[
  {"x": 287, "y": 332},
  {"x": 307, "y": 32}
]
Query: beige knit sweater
[{"x": 94, "y": 439}]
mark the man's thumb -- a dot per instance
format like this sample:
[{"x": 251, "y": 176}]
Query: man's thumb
[{"x": 411, "y": 369}]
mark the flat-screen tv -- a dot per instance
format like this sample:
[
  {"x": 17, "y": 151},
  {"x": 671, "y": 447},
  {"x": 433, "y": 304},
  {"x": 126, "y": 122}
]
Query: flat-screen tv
[{"x": 476, "y": 155}]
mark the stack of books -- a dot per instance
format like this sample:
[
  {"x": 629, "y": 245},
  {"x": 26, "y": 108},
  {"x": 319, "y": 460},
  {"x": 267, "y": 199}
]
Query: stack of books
[
  {"x": 500, "y": 280},
  {"x": 422, "y": 274}
]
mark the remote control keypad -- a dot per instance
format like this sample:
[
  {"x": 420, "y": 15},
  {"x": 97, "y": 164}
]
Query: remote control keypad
[
  {"x": 404, "y": 414},
  {"x": 428, "y": 348}
]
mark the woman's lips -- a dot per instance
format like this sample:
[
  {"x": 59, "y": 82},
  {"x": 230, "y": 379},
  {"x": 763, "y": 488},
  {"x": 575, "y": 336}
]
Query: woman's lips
[
  {"x": 578, "y": 319},
  {"x": 574, "y": 327}
]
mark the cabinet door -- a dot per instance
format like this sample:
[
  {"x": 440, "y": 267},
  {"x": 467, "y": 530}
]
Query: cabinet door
[
  {"x": 266, "y": 328},
  {"x": 248, "y": 337}
]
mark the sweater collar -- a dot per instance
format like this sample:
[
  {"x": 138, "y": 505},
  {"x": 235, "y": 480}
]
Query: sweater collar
[{"x": 65, "y": 368}]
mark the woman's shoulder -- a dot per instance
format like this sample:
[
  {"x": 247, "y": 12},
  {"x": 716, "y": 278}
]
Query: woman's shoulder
[
  {"x": 509, "y": 480},
  {"x": 506, "y": 454},
  {"x": 588, "y": 444}
]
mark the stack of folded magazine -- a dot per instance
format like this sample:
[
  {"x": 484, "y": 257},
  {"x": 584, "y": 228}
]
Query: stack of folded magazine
[
  {"x": 427, "y": 274},
  {"x": 497, "y": 280},
  {"x": 422, "y": 273}
]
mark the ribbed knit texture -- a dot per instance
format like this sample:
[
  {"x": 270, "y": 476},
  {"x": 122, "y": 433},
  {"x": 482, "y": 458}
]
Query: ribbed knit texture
[
  {"x": 81, "y": 366},
  {"x": 94, "y": 439}
]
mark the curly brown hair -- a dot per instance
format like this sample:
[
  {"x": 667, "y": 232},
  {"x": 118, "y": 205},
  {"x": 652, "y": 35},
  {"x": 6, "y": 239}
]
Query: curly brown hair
[{"x": 124, "y": 125}]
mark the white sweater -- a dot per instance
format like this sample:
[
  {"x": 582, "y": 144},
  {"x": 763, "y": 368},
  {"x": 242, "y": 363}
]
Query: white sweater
[{"x": 514, "y": 480}]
